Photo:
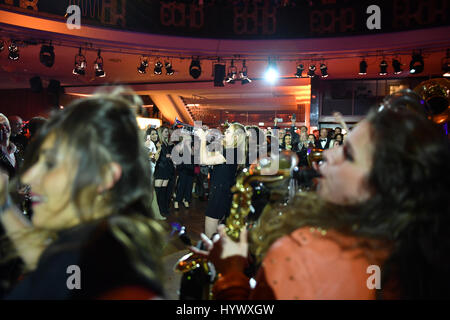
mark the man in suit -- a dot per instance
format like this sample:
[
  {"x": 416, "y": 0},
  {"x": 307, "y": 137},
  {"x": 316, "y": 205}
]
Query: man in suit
[{"x": 323, "y": 142}]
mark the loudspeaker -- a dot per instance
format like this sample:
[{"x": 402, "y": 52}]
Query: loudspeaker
[
  {"x": 54, "y": 86},
  {"x": 219, "y": 75},
  {"x": 36, "y": 84}
]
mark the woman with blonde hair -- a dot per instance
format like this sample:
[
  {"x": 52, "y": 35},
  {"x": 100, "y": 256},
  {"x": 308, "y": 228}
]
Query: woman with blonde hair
[
  {"x": 226, "y": 157},
  {"x": 91, "y": 235},
  {"x": 164, "y": 170}
]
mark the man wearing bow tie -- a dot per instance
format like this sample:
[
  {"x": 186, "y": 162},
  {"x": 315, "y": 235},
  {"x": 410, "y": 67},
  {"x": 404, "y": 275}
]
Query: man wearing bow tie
[{"x": 323, "y": 142}]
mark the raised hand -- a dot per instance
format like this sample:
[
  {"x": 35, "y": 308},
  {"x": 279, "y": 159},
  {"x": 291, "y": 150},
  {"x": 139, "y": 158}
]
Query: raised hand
[{"x": 222, "y": 247}]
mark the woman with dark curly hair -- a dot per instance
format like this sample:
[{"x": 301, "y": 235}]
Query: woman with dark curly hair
[
  {"x": 382, "y": 204},
  {"x": 91, "y": 235}
]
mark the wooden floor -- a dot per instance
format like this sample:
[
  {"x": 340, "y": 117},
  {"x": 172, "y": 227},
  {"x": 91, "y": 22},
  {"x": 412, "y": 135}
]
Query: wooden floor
[{"x": 193, "y": 219}]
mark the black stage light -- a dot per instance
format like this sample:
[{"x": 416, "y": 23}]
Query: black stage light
[
  {"x": 169, "y": 69},
  {"x": 243, "y": 74},
  {"x": 98, "y": 66},
  {"x": 363, "y": 67},
  {"x": 383, "y": 68},
  {"x": 47, "y": 55},
  {"x": 195, "y": 69},
  {"x": 232, "y": 73},
  {"x": 36, "y": 84},
  {"x": 397, "y": 66},
  {"x": 219, "y": 75},
  {"x": 13, "y": 51},
  {"x": 80, "y": 64},
  {"x": 2, "y": 45},
  {"x": 416, "y": 65},
  {"x": 143, "y": 66},
  {"x": 299, "y": 72},
  {"x": 324, "y": 70},
  {"x": 158, "y": 67},
  {"x": 312, "y": 71}
]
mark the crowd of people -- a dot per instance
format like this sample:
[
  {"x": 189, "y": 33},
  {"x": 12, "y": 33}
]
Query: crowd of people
[
  {"x": 87, "y": 187},
  {"x": 177, "y": 182}
]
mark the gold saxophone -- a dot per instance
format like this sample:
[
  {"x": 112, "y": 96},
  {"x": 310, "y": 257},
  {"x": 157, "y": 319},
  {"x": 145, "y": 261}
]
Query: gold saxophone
[
  {"x": 267, "y": 170},
  {"x": 436, "y": 92}
]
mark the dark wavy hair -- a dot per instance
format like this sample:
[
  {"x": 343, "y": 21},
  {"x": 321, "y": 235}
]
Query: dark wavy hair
[
  {"x": 283, "y": 143},
  {"x": 409, "y": 213},
  {"x": 149, "y": 132},
  {"x": 342, "y": 136}
]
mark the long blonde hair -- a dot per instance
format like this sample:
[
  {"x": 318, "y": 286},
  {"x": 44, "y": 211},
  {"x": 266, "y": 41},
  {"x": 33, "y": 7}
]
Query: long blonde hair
[
  {"x": 239, "y": 133},
  {"x": 101, "y": 130},
  {"x": 160, "y": 135}
]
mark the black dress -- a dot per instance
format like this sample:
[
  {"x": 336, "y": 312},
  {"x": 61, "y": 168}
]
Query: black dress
[
  {"x": 104, "y": 266},
  {"x": 223, "y": 177},
  {"x": 164, "y": 168}
]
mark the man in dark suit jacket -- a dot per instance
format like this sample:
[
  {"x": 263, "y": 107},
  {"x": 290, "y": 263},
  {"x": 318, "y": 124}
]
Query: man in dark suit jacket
[{"x": 323, "y": 142}]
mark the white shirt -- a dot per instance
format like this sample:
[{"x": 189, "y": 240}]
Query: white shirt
[{"x": 151, "y": 148}]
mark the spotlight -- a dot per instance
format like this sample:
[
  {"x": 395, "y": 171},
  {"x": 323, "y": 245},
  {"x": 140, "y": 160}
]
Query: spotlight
[
  {"x": 383, "y": 68},
  {"x": 446, "y": 65},
  {"x": 416, "y": 65},
  {"x": 13, "y": 51},
  {"x": 47, "y": 55},
  {"x": 312, "y": 71},
  {"x": 243, "y": 74},
  {"x": 363, "y": 67},
  {"x": 144, "y": 65},
  {"x": 98, "y": 66},
  {"x": 169, "y": 69},
  {"x": 299, "y": 72},
  {"x": 324, "y": 70},
  {"x": 195, "y": 70},
  {"x": 158, "y": 67},
  {"x": 80, "y": 64},
  {"x": 397, "y": 66},
  {"x": 232, "y": 73},
  {"x": 271, "y": 74}
]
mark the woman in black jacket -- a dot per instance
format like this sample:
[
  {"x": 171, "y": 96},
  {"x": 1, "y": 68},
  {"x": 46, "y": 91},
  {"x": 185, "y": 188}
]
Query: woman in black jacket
[{"x": 164, "y": 170}]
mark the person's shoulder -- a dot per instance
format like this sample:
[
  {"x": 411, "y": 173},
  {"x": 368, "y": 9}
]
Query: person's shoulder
[
  {"x": 151, "y": 145},
  {"x": 312, "y": 263}
]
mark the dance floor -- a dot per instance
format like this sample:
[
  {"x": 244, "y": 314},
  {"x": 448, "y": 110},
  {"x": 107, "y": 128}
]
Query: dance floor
[{"x": 193, "y": 219}]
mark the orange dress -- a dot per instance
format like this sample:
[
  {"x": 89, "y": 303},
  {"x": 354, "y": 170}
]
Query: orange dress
[{"x": 307, "y": 264}]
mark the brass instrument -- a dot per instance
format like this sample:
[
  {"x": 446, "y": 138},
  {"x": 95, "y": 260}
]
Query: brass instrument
[
  {"x": 186, "y": 126},
  {"x": 242, "y": 191},
  {"x": 240, "y": 208},
  {"x": 314, "y": 155},
  {"x": 436, "y": 92}
]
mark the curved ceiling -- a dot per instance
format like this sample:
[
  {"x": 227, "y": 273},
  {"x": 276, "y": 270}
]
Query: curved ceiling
[{"x": 122, "y": 50}]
